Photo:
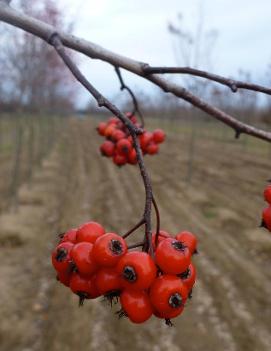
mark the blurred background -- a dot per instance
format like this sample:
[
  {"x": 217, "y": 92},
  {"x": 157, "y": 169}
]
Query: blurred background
[{"x": 52, "y": 176}]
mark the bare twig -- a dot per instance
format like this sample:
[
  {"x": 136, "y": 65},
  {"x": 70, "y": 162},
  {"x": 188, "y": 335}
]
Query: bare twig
[
  {"x": 44, "y": 31},
  {"x": 55, "y": 41},
  {"x": 123, "y": 86},
  {"x": 234, "y": 85},
  {"x": 138, "y": 225}
]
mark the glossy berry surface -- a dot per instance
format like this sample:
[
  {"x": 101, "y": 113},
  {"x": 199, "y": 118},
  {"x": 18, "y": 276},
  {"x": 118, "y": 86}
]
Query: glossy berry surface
[
  {"x": 172, "y": 256},
  {"x": 137, "y": 270},
  {"x": 108, "y": 249}
]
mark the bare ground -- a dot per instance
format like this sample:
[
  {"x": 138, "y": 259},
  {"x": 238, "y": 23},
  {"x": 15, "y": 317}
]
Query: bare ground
[{"x": 231, "y": 305}]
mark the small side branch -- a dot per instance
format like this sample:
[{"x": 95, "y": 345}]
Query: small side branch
[
  {"x": 123, "y": 86},
  {"x": 234, "y": 85}
]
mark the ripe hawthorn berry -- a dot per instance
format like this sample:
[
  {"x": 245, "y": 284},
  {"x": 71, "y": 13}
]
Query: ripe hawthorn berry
[
  {"x": 69, "y": 236},
  {"x": 137, "y": 270},
  {"x": 189, "y": 277},
  {"x": 109, "y": 130},
  {"x": 83, "y": 287},
  {"x": 101, "y": 128},
  {"x": 266, "y": 216},
  {"x": 108, "y": 249},
  {"x": 158, "y": 136},
  {"x": 61, "y": 258},
  {"x": 107, "y": 148},
  {"x": 123, "y": 147},
  {"x": 152, "y": 148},
  {"x": 107, "y": 280},
  {"x": 132, "y": 157},
  {"x": 89, "y": 232},
  {"x": 82, "y": 257},
  {"x": 119, "y": 159},
  {"x": 145, "y": 139},
  {"x": 189, "y": 240},
  {"x": 168, "y": 294},
  {"x": 267, "y": 194},
  {"x": 64, "y": 278},
  {"x": 136, "y": 305},
  {"x": 172, "y": 256},
  {"x": 118, "y": 135}
]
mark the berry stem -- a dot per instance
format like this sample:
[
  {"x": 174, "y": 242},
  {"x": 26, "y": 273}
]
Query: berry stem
[
  {"x": 139, "y": 224},
  {"x": 157, "y": 221},
  {"x": 124, "y": 86}
]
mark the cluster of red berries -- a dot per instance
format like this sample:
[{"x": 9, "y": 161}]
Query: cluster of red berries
[
  {"x": 93, "y": 263},
  {"x": 119, "y": 143},
  {"x": 266, "y": 215}
]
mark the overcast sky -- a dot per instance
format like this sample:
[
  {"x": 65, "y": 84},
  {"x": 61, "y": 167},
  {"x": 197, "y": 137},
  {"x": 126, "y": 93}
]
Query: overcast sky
[{"x": 138, "y": 29}]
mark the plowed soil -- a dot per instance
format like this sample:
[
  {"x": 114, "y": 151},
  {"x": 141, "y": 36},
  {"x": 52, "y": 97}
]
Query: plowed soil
[{"x": 231, "y": 305}]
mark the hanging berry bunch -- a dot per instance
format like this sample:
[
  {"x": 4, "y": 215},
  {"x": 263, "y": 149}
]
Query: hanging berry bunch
[
  {"x": 94, "y": 263},
  {"x": 119, "y": 145},
  {"x": 266, "y": 214}
]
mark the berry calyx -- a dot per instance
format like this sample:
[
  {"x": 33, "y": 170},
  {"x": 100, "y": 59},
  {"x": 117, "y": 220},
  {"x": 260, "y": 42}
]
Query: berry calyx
[{"x": 108, "y": 249}]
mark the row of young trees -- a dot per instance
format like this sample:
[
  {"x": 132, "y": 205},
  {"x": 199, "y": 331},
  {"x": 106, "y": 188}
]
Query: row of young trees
[{"x": 32, "y": 76}]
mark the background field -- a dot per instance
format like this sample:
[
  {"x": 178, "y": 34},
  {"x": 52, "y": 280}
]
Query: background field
[{"x": 70, "y": 183}]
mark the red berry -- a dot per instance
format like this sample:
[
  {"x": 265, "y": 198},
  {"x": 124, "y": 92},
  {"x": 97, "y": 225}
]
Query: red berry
[
  {"x": 132, "y": 157},
  {"x": 107, "y": 148},
  {"x": 107, "y": 280},
  {"x": 82, "y": 257},
  {"x": 123, "y": 147},
  {"x": 89, "y": 232},
  {"x": 136, "y": 305},
  {"x": 168, "y": 294},
  {"x": 266, "y": 216},
  {"x": 189, "y": 277},
  {"x": 69, "y": 236},
  {"x": 158, "y": 136},
  {"x": 101, "y": 128},
  {"x": 61, "y": 258},
  {"x": 120, "y": 160},
  {"x": 189, "y": 240},
  {"x": 145, "y": 139},
  {"x": 267, "y": 194},
  {"x": 118, "y": 135},
  {"x": 137, "y": 270},
  {"x": 83, "y": 287},
  {"x": 110, "y": 130},
  {"x": 172, "y": 256},
  {"x": 64, "y": 278},
  {"x": 152, "y": 148},
  {"x": 108, "y": 249}
]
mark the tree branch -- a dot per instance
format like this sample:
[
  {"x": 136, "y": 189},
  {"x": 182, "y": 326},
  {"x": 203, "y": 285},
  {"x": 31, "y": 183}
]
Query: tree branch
[
  {"x": 44, "y": 31},
  {"x": 234, "y": 85},
  {"x": 55, "y": 41}
]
